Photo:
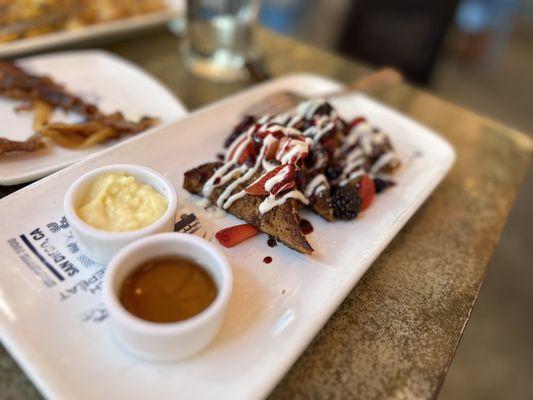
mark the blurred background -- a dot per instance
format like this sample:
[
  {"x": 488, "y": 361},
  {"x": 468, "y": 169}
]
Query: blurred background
[{"x": 477, "y": 54}]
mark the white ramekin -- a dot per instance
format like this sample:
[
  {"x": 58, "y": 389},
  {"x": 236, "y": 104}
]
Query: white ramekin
[
  {"x": 167, "y": 341},
  {"x": 101, "y": 245}
]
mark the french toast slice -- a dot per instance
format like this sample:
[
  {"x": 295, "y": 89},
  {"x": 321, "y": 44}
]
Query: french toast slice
[
  {"x": 282, "y": 222},
  {"x": 321, "y": 205}
]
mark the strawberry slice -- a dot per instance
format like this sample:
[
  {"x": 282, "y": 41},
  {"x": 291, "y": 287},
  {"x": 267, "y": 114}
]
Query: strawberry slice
[
  {"x": 286, "y": 144},
  {"x": 272, "y": 149},
  {"x": 367, "y": 191},
  {"x": 237, "y": 145},
  {"x": 260, "y": 136},
  {"x": 282, "y": 146},
  {"x": 247, "y": 153},
  {"x": 258, "y": 187},
  {"x": 356, "y": 121},
  {"x": 233, "y": 235},
  {"x": 282, "y": 186},
  {"x": 263, "y": 134}
]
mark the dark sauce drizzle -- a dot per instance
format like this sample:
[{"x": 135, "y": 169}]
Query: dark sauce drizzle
[{"x": 306, "y": 226}]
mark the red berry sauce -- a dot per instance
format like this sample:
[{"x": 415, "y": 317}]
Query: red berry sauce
[{"x": 306, "y": 226}]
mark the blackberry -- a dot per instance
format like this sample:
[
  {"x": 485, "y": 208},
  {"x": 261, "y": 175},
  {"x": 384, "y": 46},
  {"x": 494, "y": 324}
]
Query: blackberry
[
  {"x": 308, "y": 123},
  {"x": 246, "y": 122},
  {"x": 317, "y": 159},
  {"x": 382, "y": 184},
  {"x": 333, "y": 172},
  {"x": 324, "y": 109},
  {"x": 299, "y": 177},
  {"x": 346, "y": 201}
]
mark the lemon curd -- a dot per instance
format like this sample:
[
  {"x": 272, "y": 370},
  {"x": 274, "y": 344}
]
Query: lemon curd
[{"x": 118, "y": 202}]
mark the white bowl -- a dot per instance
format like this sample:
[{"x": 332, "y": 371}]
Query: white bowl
[
  {"x": 101, "y": 245},
  {"x": 167, "y": 341}
]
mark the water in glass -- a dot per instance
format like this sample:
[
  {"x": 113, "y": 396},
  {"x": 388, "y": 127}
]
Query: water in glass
[{"x": 220, "y": 37}]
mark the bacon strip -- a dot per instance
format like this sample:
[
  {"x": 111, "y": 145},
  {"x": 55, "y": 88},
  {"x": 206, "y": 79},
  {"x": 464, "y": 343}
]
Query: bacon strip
[
  {"x": 17, "y": 84},
  {"x": 32, "y": 144},
  {"x": 45, "y": 95}
]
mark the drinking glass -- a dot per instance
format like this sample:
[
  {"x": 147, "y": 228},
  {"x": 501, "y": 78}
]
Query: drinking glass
[{"x": 220, "y": 37}]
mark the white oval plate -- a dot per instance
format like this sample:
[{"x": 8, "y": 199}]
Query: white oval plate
[
  {"x": 93, "y": 33},
  {"x": 56, "y": 327},
  {"x": 111, "y": 82}
]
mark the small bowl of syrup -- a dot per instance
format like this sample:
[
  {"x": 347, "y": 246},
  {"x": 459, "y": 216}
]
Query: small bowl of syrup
[{"x": 167, "y": 295}]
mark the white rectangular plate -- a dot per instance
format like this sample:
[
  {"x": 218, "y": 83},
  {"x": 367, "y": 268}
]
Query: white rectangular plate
[
  {"x": 110, "y": 82},
  {"x": 92, "y": 33},
  {"x": 57, "y": 330}
]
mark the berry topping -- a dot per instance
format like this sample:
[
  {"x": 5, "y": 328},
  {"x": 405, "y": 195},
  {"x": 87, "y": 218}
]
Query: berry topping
[
  {"x": 259, "y": 135},
  {"x": 245, "y": 124},
  {"x": 356, "y": 121},
  {"x": 346, "y": 201},
  {"x": 329, "y": 141},
  {"x": 270, "y": 152},
  {"x": 282, "y": 187},
  {"x": 306, "y": 226},
  {"x": 232, "y": 236},
  {"x": 367, "y": 191},
  {"x": 382, "y": 184},
  {"x": 333, "y": 171},
  {"x": 324, "y": 109},
  {"x": 286, "y": 181},
  {"x": 291, "y": 149},
  {"x": 246, "y": 153}
]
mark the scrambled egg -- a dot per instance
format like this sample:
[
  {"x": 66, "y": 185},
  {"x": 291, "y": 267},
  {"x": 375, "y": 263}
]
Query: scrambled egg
[{"x": 118, "y": 202}]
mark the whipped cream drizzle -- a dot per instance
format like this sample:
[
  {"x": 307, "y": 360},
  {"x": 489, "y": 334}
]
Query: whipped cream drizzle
[
  {"x": 317, "y": 185},
  {"x": 384, "y": 160},
  {"x": 292, "y": 150},
  {"x": 308, "y": 109},
  {"x": 356, "y": 147},
  {"x": 279, "y": 177},
  {"x": 271, "y": 201},
  {"x": 221, "y": 201}
]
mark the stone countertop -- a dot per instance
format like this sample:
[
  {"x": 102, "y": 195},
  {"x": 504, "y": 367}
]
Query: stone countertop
[{"x": 396, "y": 333}]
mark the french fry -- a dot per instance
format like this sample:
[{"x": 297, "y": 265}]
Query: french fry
[
  {"x": 100, "y": 136},
  {"x": 79, "y": 136},
  {"x": 41, "y": 114},
  {"x": 83, "y": 128},
  {"x": 71, "y": 142}
]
